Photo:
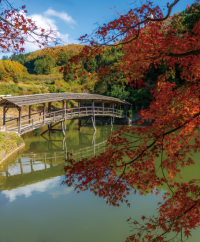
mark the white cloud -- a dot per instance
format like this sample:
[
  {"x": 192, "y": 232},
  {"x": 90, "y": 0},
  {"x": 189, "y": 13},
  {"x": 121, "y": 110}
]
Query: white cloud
[
  {"x": 62, "y": 15},
  {"x": 66, "y": 190},
  {"x": 35, "y": 187},
  {"x": 45, "y": 23},
  {"x": 41, "y": 22}
]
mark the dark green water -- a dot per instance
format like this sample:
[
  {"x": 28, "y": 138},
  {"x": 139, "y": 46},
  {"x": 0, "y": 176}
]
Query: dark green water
[{"x": 34, "y": 207}]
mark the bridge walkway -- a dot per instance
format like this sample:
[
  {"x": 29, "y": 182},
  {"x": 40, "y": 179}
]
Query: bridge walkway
[{"x": 27, "y": 125}]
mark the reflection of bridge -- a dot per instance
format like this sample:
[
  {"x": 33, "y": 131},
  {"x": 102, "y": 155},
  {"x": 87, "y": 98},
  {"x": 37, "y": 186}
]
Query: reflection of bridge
[
  {"x": 80, "y": 154},
  {"x": 46, "y": 165},
  {"x": 27, "y": 123}
]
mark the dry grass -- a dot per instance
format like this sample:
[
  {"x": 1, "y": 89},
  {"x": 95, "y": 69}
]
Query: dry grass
[{"x": 43, "y": 78}]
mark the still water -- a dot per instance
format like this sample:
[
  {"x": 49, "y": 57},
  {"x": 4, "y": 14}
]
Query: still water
[{"x": 34, "y": 207}]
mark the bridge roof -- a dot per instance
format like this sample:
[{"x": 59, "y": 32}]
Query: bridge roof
[{"x": 26, "y": 100}]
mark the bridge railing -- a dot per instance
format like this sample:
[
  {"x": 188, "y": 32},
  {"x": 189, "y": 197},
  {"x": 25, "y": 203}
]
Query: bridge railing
[
  {"x": 23, "y": 117},
  {"x": 59, "y": 115}
]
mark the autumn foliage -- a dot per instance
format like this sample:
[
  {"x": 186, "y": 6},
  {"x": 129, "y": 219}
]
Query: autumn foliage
[
  {"x": 16, "y": 29},
  {"x": 128, "y": 164},
  {"x": 12, "y": 71}
]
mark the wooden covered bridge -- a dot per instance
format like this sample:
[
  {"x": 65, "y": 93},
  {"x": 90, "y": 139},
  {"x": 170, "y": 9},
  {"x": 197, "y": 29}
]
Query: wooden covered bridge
[{"x": 107, "y": 106}]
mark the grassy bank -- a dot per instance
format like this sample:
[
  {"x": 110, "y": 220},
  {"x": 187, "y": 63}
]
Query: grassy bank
[{"x": 9, "y": 142}]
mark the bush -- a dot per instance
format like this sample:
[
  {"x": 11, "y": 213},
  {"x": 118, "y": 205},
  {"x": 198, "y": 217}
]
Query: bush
[
  {"x": 52, "y": 89},
  {"x": 130, "y": 114},
  {"x": 120, "y": 112}
]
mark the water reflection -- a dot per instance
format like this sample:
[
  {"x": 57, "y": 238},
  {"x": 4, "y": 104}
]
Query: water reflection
[
  {"x": 28, "y": 190},
  {"x": 33, "y": 201},
  {"x": 44, "y": 158}
]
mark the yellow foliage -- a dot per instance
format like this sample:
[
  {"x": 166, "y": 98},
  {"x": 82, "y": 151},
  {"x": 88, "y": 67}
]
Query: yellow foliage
[
  {"x": 12, "y": 71},
  {"x": 54, "y": 52}
]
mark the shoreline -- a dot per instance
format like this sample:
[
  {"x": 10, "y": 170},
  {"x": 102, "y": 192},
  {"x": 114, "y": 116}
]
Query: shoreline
[
  {"x": 10, "y": 143},
  {"x": 12, "y": 153}
]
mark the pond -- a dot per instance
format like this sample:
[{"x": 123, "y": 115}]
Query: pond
[{"x": 35, "y": 207}]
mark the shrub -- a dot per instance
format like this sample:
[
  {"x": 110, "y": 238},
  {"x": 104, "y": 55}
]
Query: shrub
[{"x": 130, "y": 114}]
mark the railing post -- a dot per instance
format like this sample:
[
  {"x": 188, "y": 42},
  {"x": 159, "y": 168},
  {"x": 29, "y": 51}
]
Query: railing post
[
  {"x": 103, "y": 107},
  {"x": 32, "y": 123},
  {"x": 54, "y": 116},
  {"x": 71, "y": 112}
]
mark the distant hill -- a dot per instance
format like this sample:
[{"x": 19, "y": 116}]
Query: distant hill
[{"x": 43, "y": 61}]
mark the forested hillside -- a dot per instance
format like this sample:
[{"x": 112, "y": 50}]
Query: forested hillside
[{"x": 39, "y": 71}]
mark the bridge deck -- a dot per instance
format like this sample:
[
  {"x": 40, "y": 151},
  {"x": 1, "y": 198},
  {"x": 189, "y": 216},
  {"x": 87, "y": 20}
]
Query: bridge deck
[{"x": 27, "y": 125}]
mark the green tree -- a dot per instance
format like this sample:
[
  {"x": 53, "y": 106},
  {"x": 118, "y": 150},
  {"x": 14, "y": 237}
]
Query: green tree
[
  {"x": 188, "y": 18},
  {"x": 5, "y": 57},
  {"x": 39, "y": 66},
  {"x": 63, "y": 57},
  {"x": 119, "y": 92}
]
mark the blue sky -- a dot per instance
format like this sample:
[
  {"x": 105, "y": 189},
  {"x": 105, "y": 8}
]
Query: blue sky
[{"x": 73, "y": 18}]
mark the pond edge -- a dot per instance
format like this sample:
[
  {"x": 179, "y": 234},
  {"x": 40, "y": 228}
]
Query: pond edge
[{"x": 21, "y": 146}]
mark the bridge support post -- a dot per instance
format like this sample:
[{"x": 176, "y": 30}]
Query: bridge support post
[
  {"x": 64, "y": 115},
  {"x": 63, "y": 128},
  {"x": 29, "y": 113},
  {"x": 19, "y": 128},
  {"x": 93, "y": 123},
  {"x": 113, "y": 106},
  {"x": 79, "y": 119},
  {"x": 66, "y": 107},
  {"x": 102, "y": 113},
  {"x": 49, "y": 107},
  {"x": 43, "y": 113},
  {"x": 93, "y": 113},
  {"x": 4, "y": 115}
]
